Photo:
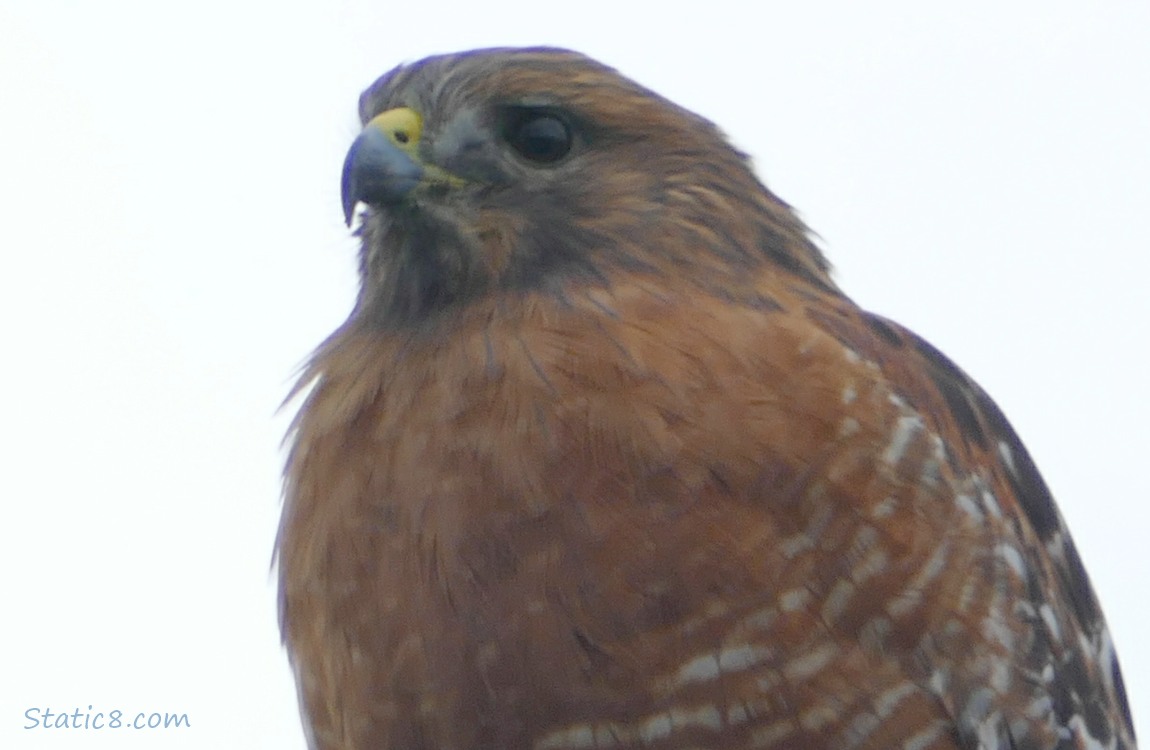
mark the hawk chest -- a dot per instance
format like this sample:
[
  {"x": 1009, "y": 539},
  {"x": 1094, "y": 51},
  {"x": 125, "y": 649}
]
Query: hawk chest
[{"x": 524, "y": 526}]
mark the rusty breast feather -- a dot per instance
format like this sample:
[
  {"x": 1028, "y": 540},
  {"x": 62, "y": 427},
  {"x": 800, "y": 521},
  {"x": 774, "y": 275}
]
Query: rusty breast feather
[{"x": 621, "y": 519}]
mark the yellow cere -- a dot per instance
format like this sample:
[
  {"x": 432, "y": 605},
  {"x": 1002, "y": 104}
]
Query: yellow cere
[{"x": 402, "y": 127}]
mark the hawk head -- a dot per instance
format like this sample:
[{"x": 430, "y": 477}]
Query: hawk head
[{"x": 511, "y": 171}]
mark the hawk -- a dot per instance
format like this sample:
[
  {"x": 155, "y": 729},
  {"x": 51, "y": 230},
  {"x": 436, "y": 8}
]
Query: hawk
[{"x": 603, "y": 458}]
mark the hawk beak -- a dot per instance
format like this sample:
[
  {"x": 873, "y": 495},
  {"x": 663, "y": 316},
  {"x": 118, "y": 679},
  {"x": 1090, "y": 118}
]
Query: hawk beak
[{"x": 382, "y": 166}]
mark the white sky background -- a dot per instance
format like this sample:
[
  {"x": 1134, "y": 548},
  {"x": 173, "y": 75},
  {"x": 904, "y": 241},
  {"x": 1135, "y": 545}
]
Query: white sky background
[{"x": 172, "y": 247}]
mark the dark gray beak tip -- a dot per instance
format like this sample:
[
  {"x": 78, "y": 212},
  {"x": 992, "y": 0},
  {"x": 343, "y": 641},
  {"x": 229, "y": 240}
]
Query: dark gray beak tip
[{"x": 376, "y": 172}]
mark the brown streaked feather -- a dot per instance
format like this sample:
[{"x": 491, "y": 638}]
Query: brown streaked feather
[{"x": 673, "y": 492}]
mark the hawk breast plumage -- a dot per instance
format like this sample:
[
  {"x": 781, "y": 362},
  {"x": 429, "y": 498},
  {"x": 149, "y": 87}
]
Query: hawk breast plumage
[{"x": 603, "y": 458}]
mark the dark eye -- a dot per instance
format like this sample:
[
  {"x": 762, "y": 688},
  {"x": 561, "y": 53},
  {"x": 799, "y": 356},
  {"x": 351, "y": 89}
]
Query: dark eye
[{"x": 538, "y": 135}]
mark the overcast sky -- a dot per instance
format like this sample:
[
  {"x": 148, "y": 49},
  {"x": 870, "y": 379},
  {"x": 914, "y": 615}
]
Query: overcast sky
[{"x": 172, "y": 247}]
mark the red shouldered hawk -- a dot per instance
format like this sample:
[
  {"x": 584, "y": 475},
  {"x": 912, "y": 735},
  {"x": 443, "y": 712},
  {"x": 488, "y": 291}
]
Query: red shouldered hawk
[{"x": 603, "y": 458}]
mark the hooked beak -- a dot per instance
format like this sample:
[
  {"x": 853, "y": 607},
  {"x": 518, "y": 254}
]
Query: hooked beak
[{"x": 382, "y": 166}]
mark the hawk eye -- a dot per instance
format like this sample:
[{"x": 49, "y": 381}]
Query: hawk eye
[{"x": 539, "y": 135}]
